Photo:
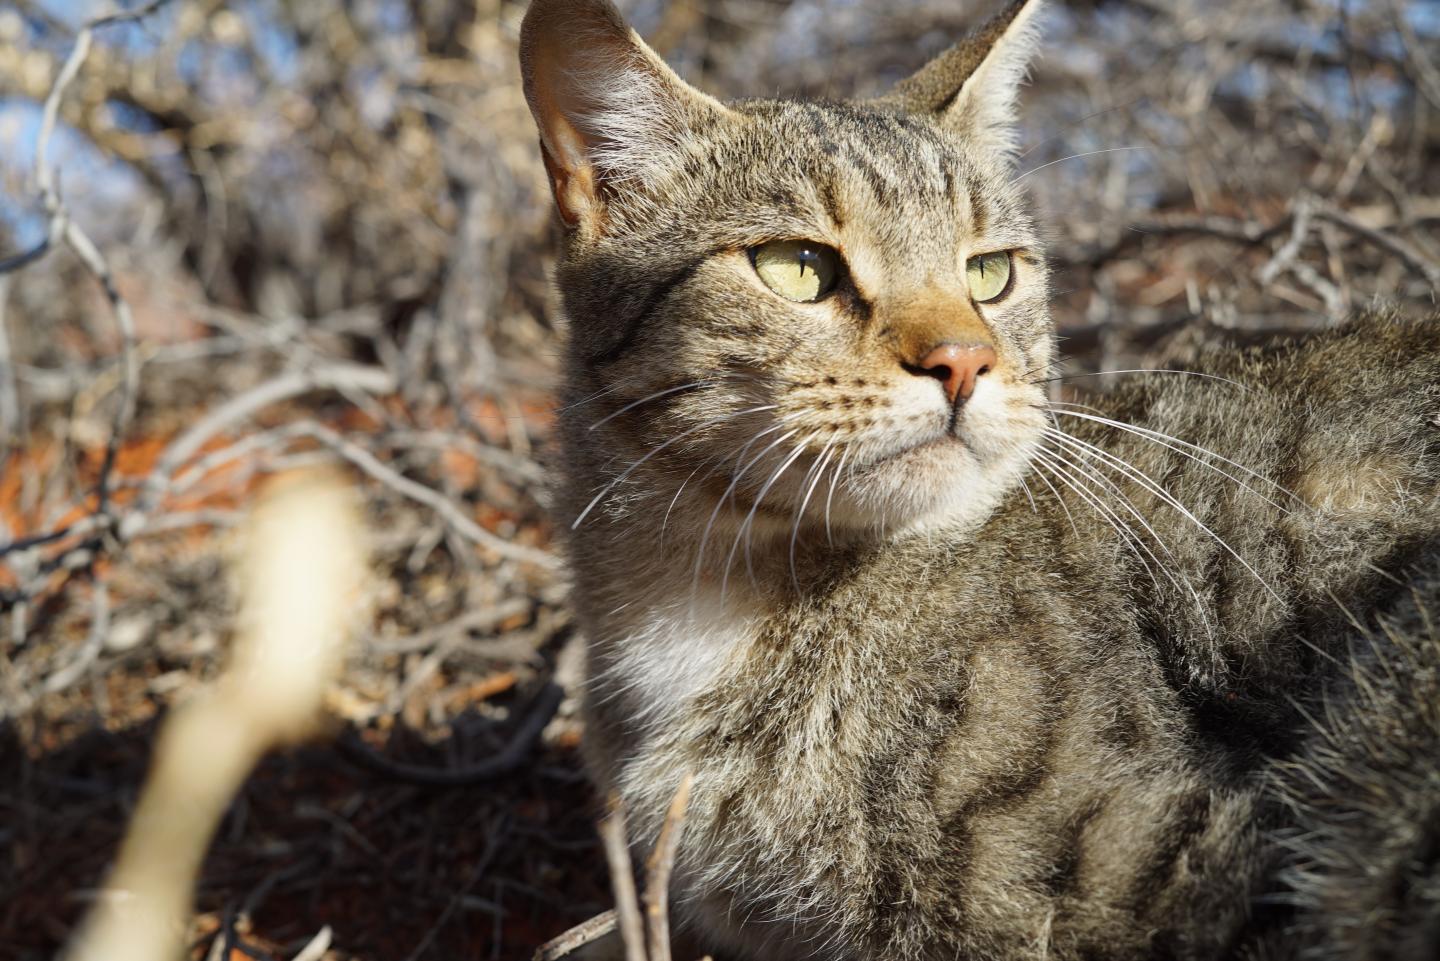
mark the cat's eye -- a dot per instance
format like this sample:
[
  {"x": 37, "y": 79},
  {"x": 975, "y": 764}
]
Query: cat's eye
[
  {"x": 798, "y": 270},
  {"x": 988, "y": 276}
]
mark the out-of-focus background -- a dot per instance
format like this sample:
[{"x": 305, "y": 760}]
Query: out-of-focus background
[{"x": 327, "y": 238}]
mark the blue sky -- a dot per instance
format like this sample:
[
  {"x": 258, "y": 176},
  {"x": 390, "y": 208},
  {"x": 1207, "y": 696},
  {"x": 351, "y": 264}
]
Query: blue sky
[{"x": 91, "y": 181}]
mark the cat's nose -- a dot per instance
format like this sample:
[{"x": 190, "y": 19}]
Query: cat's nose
[{"x": 958, "y": 367}]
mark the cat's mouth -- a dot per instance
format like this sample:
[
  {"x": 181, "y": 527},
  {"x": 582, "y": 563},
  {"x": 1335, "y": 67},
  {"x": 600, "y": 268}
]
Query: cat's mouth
[
  {"x": 947, "y": 470},
  {"x": 932, "y": 451},
  {"x": 946, "y": 433},
  {"x": 947, "y": 443}
]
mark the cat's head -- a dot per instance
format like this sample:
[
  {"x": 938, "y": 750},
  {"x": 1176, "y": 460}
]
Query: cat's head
[{"x": 795, "y": 302}]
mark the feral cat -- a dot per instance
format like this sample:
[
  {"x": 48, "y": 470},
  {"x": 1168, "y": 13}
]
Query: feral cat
[{"x": 959, "y": 672}]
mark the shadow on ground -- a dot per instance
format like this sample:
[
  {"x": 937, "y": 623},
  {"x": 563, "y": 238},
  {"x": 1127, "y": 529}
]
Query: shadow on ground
[{"x": 398, "y": 871}]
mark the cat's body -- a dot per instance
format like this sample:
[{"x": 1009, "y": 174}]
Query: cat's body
[
  {"x": 1019, "y": 742},
  {"x": 950, "y": 684}
]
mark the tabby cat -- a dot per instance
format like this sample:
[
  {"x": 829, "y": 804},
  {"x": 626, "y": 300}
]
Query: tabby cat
[{"x": 960, "y": 672}]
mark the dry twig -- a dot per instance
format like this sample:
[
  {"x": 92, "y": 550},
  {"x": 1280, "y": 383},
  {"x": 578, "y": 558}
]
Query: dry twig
[{"x": 302, "y": 574}]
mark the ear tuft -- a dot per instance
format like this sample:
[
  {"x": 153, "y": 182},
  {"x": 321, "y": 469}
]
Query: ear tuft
[
  {"x": 972, "y": 88},
  {"x": 608, "y": 109}
]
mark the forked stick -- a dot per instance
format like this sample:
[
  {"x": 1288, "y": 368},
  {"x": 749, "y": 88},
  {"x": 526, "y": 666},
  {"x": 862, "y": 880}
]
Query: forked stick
[{"x": 627, "y": 915}]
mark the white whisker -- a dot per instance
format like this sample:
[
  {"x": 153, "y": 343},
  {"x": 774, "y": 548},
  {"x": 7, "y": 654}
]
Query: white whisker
[
  {"x": 830, "y": 496},
  {"x": 1149, "y": 483},
  {"x": 1179, "y": 446},
  {"x": 747, "y": 526},
  {"x": 1154, "y": 535},
  {"x": 655, "y": 450},
  {"x": 1029, "y": 496},
  {"x": 1077, "y": 156},
  {"x": 1061, "y": 501},
  {"x": 817, "y": 470},
  {"x": 1147, "y": 370},
  {"x": 720, "y": 505},
  {"x": 1061, "y": 470},
  {"x": 665, "y": 521},
  {"x": 1131, "y": 539},
  {"x": 646, "y": 399}
]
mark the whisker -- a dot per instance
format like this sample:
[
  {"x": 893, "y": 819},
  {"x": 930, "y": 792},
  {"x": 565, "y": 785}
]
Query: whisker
[
  {"x": 657, "y": 449},
  {"x": 1061, "y": 501},
  {"x": 1166, "y": 440},
  {"x": 834, "y": 478},
  {"x": 748, "y": 525},
  {"x": 1078, "y": 156},
  {"x": 1148, "y": 370},
  {"x": 716, "y": 465},
  {"x": 1149, "y": 483},
  {"x": 1049, "y": 364},
  {"x": 1203, "y": 463},
  {"x": 643, "y": 400},
  {"x": 1059, "y": 469},
  {"x": 720, "y": 505},
  {"x": 818, "y": 470},
  {"x": 1128, "y": 535},
  {"x": 1077, "y": 122},
  {"x": 1154, "y": 535},
  {"x": 625, "y": 382},
  {"x": 595, "y": 396},
  {"x": 1182, "y": 582},
  {"x": 665, "y": 521},
  {"x": 1029, "y": 496}
]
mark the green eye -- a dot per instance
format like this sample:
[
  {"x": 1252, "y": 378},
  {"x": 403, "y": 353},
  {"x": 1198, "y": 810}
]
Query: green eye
[
  {"x": 798, "y": 270},
  {"x": 988, "y": 276}
]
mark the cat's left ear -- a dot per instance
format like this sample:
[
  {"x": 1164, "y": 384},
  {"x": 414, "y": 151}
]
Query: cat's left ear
[{"x": 972, "y": 87}]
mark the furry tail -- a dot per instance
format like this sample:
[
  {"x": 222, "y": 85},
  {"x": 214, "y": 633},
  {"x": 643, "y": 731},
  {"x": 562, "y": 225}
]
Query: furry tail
[{"x": 1361, "y": 859}]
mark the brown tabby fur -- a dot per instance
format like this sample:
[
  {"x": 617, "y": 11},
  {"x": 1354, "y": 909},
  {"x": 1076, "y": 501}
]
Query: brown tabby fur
[{"x": 950, "y": 684}]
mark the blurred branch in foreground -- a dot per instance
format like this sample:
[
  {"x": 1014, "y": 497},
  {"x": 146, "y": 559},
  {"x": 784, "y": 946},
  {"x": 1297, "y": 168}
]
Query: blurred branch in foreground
[{"x": 301, "y": 572}]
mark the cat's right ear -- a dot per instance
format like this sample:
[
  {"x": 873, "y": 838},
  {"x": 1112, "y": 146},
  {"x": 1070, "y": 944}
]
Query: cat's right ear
[
  {"x": 609, "y": 110},
  {"x": 972, "y": 87}
]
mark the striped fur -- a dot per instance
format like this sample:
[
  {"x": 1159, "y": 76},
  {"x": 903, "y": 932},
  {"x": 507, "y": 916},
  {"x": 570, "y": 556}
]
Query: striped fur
[{"x": 953, "y": 684}]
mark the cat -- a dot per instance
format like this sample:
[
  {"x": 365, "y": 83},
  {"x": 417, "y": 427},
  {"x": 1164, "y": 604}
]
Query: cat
[{"x": 960, "y": 672}]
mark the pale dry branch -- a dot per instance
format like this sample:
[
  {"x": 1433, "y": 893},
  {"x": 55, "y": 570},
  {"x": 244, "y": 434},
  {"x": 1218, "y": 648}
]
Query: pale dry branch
[
  {"x": 622, "y": 880},
  {"x": 301, "y": 575},
  {"x": 1412, "y": 258},
  {"x": 240, "y": 408},
  {"x": 62, "y": 226},
  {"x": 315, "y": 950},
  {"x": 662, "y": 863},
  {"x": 453, "y": 516},
  {"x": 645, "y": 936},
  {"x": 577, "y": 937}
]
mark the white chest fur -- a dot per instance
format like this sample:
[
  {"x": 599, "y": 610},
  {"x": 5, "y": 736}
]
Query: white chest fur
[{"x": 669, "y": 646}]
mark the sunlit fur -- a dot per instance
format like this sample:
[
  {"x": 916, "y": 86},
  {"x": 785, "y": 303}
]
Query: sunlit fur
[
  {"x": 681, "y": 298},
  {"x": 998, "y": 681}
]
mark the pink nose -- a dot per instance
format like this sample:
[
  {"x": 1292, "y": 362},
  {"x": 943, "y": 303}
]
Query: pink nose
[{"x": 958, "y": 366}]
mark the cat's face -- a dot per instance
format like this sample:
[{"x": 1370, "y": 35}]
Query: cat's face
[{"x": 822, "y": 312}]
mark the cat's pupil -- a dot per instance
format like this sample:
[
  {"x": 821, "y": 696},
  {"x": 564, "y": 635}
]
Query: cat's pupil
[{"x": 807, "y": 257}]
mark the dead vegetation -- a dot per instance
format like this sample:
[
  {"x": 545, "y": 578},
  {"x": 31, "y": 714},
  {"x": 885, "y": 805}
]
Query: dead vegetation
[{"x": 242, "y": 237}]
